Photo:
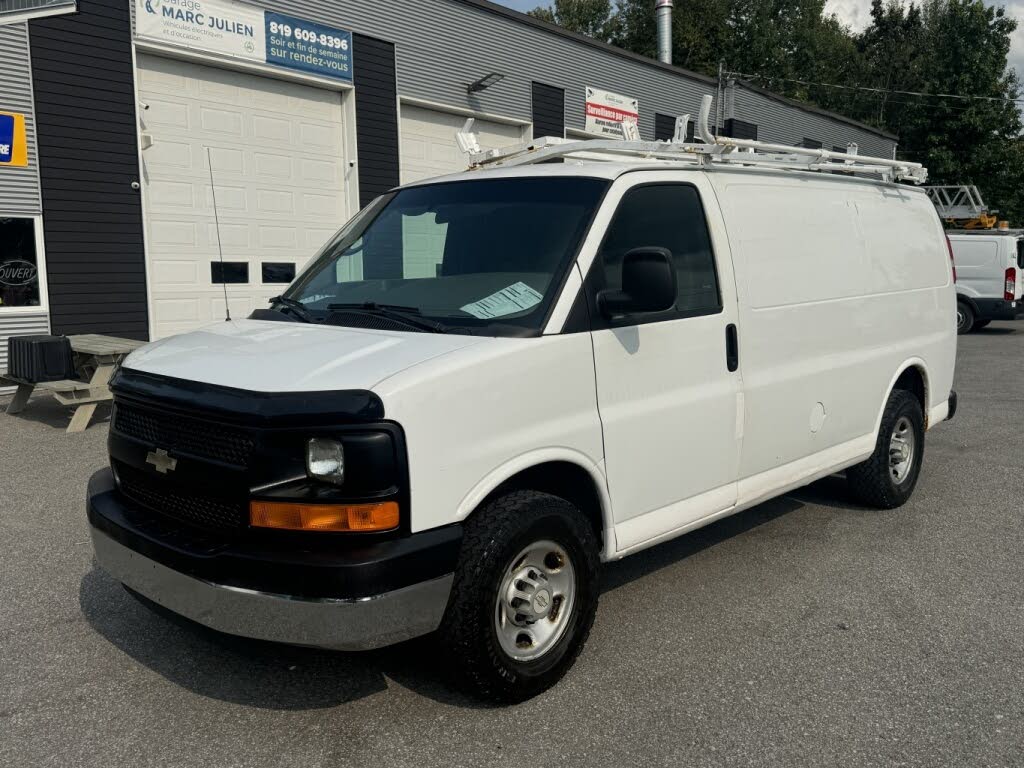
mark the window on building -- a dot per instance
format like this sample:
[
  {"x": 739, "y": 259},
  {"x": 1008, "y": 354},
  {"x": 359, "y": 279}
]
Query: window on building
[
  {"x": 29, "y": 8},
  {"x": 19, "y": 264},
  {"x": 810, "y": 144},
  {"x": 229, "y": 272},
  {"x": 666, "y": 216}
]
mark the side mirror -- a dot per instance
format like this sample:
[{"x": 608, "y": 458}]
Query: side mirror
[{"x": 648, "y": 284}]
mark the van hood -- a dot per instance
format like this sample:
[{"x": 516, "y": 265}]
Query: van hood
[{"x": 263, "y": 356}]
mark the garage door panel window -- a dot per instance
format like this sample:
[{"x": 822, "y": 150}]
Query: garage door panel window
[
  {"x": 666, "y": 216},
  {"x": 277, "y": 273},
  {"x": 231, "y": 272},
  {"x": 468, "y": 254}
]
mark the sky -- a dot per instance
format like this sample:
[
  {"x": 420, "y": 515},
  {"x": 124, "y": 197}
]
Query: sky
[{"x": 857, "y": 14}]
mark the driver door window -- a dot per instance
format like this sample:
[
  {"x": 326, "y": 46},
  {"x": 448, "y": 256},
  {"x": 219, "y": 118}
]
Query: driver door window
[{"x": 666, "y": 216}]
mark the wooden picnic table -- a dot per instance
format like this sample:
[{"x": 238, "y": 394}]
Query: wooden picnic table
[{"x": 96, "y": 359}]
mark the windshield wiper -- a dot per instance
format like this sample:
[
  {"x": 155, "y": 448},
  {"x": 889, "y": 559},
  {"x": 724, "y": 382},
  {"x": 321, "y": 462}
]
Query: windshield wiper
[
  {"x": 411, "y": 316},
  {"x": 298, "y": 309}
]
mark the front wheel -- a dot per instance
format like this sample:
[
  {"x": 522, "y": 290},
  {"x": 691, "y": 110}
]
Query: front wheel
[
  {"x": 887, "y": 479},
  {"x": 524, "y": 596}
]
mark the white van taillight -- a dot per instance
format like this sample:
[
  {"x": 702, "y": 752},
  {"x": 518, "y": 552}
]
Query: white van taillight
[
  {"x": 952, "y": 263},
  {"x": 1010, "y": 289}
]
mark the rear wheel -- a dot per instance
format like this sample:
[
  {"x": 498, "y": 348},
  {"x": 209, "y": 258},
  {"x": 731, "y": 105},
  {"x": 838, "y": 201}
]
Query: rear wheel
[
  {"x": 887, "y": 479},
  {"x": 524, "y": 596},
  {"x": 964, "y": 318}
]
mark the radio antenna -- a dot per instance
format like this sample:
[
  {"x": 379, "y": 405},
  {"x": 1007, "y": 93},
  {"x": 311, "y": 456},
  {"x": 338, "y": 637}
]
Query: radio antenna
[{"x": 220, "y": 249}]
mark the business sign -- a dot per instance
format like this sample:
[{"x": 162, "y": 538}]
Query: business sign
[
  {"x": 607, "y": 111},
  {"x": 17, "y": 273},
  {"x": 247, "y": 33},
  {"x": 13, "y": 146}
]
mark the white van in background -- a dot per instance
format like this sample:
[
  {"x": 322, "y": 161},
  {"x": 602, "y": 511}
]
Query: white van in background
[
  {"x": 989, "y": 276},
  {"x": 487, "y": 384}
]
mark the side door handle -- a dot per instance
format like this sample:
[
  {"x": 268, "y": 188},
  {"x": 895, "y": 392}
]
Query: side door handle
[{"x": 732, "y": 348}]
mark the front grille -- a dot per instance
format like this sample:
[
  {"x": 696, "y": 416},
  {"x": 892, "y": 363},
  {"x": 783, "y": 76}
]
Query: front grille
[
  {"x": 180, "y": 504},
  {"x": 183, "y": 434}
]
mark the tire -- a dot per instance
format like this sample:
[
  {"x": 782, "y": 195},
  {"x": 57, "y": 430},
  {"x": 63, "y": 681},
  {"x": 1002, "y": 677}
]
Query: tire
[
  {"x": 494, "y": 540},
  {"x": 964, "y": 318},
  {"x": 883, "y": 481},
  {"x": 979, "y": 324}
]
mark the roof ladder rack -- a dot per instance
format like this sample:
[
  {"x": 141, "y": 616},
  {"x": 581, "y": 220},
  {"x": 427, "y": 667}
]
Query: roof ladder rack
[
  {"x": 961, "y": 206},
  {"x": 711, "y": 150}
]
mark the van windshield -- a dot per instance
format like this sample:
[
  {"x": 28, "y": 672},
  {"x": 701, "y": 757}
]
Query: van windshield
[{"x": 482, "y": 256}]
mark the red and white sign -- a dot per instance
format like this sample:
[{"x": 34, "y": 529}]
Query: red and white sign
[{"x": 607, "y": 111}]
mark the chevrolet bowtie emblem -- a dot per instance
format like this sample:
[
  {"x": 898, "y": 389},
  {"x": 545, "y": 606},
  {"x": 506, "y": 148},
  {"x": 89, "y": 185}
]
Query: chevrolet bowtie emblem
[{"x": 161, "y": 461}]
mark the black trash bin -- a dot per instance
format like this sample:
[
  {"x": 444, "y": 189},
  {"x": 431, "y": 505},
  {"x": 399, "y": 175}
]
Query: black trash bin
[{"x": 40, "y": 358}]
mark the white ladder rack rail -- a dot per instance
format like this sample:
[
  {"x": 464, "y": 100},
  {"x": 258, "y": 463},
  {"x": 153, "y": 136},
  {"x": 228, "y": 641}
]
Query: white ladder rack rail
[{"x": 740, "y": 152}]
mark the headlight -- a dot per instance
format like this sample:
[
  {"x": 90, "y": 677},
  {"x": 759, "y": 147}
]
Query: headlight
[{"x": 325, "y": 460}]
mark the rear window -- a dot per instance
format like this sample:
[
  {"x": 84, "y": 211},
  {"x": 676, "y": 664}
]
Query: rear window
[{"x": 1020, "y": 253}]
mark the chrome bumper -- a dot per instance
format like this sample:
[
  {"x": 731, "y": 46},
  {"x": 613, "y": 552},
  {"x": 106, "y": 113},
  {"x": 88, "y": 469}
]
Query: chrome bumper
[{"x": 353, "y": 624}]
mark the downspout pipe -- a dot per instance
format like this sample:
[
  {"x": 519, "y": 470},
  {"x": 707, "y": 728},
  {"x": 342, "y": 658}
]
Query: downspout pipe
[{"x": 663, "y": 11}]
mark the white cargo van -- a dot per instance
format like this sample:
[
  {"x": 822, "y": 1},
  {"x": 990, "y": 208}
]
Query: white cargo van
[
  {"x": 489, "y": 383},
  {"x": 990, "y": 276}
]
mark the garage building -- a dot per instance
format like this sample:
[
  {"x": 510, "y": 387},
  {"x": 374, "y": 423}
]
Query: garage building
[{"x": 302, "y": 112}]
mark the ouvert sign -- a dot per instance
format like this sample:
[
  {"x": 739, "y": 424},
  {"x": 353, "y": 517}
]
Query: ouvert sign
[{"x": 245, "y": 32}]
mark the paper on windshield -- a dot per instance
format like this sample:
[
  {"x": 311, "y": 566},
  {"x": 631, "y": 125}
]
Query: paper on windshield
[{"x": 507, "y": 301}]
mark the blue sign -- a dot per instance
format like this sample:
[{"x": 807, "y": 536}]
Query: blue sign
[
  {"x": 6, "y": 138},
  {"x": 308, "y": 46}
]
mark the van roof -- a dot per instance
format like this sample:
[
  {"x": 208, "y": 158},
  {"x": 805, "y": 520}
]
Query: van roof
[
  {"x": 613, "y": 170},
  {"x": 591, "y": 170}
]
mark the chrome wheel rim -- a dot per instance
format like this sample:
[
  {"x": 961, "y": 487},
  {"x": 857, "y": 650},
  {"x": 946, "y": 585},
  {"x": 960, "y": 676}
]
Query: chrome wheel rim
[
  {"x": 901, "y": 450},
  {"x": 961, "y": 319},
  {"x": 535, "y": 601}
]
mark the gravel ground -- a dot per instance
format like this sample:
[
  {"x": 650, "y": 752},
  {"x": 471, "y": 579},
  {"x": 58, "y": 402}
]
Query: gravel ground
[{"x": 806, "y": 631}]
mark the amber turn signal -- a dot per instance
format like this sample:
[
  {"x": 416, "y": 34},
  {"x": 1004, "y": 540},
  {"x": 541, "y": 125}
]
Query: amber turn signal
[{"x": 357, "y": 518}]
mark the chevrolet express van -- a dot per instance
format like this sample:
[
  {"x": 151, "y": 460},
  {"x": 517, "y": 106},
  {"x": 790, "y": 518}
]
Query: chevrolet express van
[
  {"x": 487, "y": 384},
  {"x": 990, "y": 276}
]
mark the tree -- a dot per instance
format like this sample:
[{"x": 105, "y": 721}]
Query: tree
[
  {"x": 594, "y": 18},
  {"x": 949, "y": 47},
  {"x": 953, "y": 48}
]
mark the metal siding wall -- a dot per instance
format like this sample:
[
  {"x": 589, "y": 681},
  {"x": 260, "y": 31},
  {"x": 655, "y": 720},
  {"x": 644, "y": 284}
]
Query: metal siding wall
[
  {"x": 444, "y": 45},
  {"x": 376, "y": 117},
  {"x": 19, "y": 187},
  {"x": 782, "y": 123},
  {"x": 92, "y": 218},
  {"x": 548, "y": 111}
]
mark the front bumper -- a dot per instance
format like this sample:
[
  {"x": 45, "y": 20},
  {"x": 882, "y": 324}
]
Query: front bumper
[{"x": 175, "y": 573}]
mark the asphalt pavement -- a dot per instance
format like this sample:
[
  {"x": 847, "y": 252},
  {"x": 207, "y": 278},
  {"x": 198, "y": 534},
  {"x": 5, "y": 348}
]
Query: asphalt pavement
[{"x": 806, "y": 631}]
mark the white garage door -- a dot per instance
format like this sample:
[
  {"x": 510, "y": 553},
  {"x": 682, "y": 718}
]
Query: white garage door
[
  {"x": 428, "y": 141},
  {"x": 277, "y": 152}
]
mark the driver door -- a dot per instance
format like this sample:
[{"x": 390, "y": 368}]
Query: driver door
[{"x": 668, "y": 386}]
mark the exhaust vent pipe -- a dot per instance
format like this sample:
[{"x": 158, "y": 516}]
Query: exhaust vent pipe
[{"x": 663, "y": 9}]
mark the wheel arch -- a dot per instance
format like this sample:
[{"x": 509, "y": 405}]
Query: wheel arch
[
  {"x": 911, "y": 376},
  {"x": 969, "y": 301},
  {"x": 561, "y": 472}
]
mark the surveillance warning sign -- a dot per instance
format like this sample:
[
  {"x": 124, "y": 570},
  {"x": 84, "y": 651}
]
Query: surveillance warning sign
[{"x": 607, "y": 111}]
